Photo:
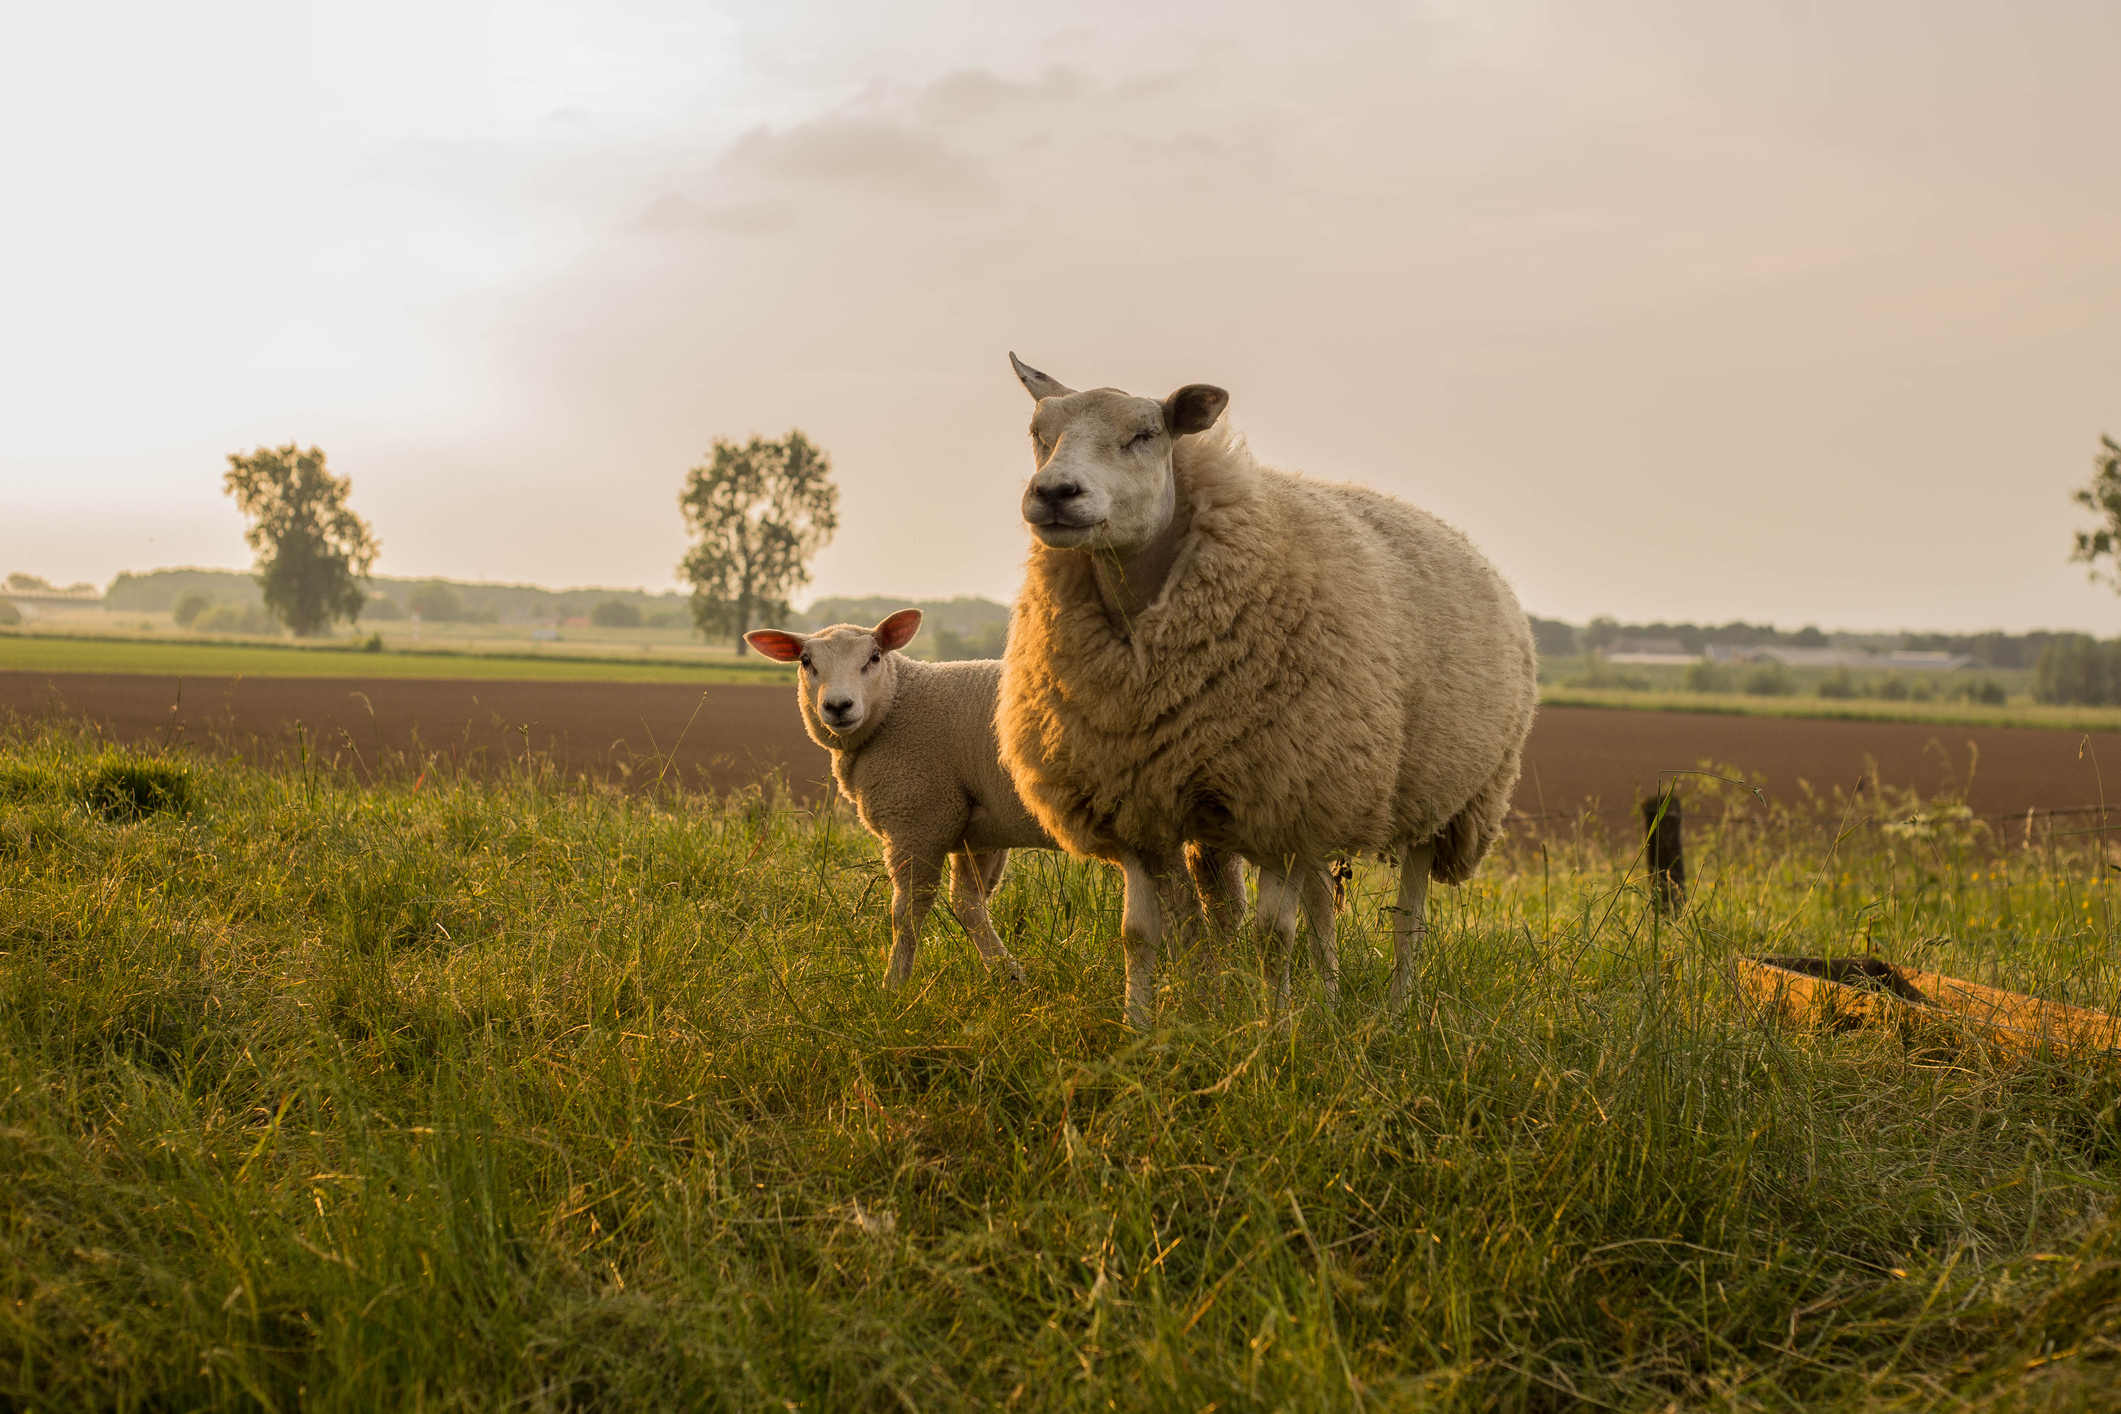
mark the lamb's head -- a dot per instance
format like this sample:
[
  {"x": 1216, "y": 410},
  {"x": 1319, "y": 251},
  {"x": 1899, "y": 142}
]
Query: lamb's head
[
  {"x": 1103, "y": 479},
  {"x": 849, "y": 675}
]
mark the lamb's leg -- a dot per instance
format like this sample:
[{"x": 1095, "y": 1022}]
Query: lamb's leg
[
  {"x": 972, "y": 877},
  {"x": 1141, "y": 931},
  {"x": 915, "y": 872},
  {"x": 1410, "y": 920},
  {"x": 1275, "y": 916},
  {"x": 1317, "y": 887}
]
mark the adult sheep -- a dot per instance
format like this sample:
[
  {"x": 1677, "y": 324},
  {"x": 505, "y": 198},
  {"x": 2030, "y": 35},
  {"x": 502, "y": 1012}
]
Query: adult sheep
[{"x": 1207, "y": 648}]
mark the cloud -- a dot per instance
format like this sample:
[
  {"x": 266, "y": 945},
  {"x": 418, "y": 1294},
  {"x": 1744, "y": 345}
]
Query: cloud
[
  {"x": 859, "y": 155},
  {"x": 966, "y": 94},
  {"x": 674, "y": 214}
]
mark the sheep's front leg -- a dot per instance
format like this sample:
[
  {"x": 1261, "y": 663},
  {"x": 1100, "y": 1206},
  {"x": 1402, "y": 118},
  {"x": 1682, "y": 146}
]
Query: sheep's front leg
[
  {"x": 972, "y": 878},
  {"x": 1317, "y": 887},
  {"x": 1275, "y": 916},
  {"x": 1410, "y": 921},
  {"x": 1141, "y": 931},
  {"x": 915, "y": 872}
]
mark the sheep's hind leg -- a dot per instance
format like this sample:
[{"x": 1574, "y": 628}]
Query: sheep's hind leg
[
  {"x": 1410, "y": 920},
  {"x": 914, "y": 876},
  {"x": 1219, "y": 884},
  {"x": 1143, "y": 921},
  {"x": 1275, "y": 917},
  {"x": 1317, "y": 887},
  {"x": 972, "y": 878}
]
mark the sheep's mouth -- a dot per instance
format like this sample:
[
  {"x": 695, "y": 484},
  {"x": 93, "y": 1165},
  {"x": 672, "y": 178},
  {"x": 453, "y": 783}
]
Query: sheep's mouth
[{"x": 1063, "y": 535}]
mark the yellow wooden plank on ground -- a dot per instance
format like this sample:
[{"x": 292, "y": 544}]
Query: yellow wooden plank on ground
[{"x": 1842, "y": 994}]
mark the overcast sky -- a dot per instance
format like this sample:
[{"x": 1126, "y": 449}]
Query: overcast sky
[{"x": 1777, "y": 311}]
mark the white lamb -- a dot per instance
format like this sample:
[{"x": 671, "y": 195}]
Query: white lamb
[
  {"x": 1208, "y": 649},
  {"x": 913, "y": 747}
]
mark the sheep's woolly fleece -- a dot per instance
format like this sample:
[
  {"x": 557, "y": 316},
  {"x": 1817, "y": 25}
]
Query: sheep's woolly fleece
[{"x": 1326, "y": 669}]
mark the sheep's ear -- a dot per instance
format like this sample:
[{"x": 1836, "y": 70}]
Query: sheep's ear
[
  {"x": 1194, "y": 408},
  {"x": 898, "y": 630},
  {"x": 781, "y": 646},
  {"x": 1039, "y": 385}
]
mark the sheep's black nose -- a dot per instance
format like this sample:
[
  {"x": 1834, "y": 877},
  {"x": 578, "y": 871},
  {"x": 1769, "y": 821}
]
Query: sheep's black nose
[
  {"x": 838, "y": 706},
  {"x": 1060, "y": 491}
]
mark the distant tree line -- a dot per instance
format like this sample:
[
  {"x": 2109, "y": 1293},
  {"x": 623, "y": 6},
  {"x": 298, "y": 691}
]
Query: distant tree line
[
  {"x": 2079, "y": 669},
  {"x": 1994, "y": 649},
  {"x": 390, "y": 600}
]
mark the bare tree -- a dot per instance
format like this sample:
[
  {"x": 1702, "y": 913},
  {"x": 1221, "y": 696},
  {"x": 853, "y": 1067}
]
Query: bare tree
[
  {"x": 757, "y": 513},
  {"x": 313, "y": 552}
]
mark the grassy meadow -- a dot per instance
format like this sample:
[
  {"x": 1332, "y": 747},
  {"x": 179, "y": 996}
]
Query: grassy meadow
[{"x": 326, "y": 1092}]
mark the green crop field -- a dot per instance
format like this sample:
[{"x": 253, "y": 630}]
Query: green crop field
[
  {"x": 420, "y": 1092},
  {"x": 47, "y": 653},
  {"x": 523, "y": 661},
  {"x": 2018, "y": 712}
]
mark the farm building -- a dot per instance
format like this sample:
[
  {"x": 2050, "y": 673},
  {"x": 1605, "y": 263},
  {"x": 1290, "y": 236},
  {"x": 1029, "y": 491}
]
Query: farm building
[{"x": 1895, "y": 660}]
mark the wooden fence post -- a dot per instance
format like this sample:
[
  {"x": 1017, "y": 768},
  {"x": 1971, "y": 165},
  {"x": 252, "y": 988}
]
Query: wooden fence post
[{"x": 1667, "y": 856}]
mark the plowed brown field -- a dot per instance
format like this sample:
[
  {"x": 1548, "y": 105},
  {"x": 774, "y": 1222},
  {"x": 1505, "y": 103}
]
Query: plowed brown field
[{"x": 724, "y": 735}]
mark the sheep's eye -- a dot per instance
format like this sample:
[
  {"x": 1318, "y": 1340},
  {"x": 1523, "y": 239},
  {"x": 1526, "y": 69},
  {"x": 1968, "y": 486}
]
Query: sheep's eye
[
  {"x": 875, "y": 658},
  {"x": 1140, "y": 439},
  {"x": 806, "y": 662}
]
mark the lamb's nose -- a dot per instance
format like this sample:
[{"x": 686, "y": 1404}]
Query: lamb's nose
[
  {"x": 838, "y": 706},
  {"x": 1060, "y": 491}
]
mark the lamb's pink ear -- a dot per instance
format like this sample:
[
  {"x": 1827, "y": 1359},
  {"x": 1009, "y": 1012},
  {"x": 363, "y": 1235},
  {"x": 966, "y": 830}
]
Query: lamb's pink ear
[
  {"x": 898, "y": 630},
  {"x": 781, "y": 646}
]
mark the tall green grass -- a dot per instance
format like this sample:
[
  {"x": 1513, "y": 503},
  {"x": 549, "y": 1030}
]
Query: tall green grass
[{"x": 434, "y": 1093}]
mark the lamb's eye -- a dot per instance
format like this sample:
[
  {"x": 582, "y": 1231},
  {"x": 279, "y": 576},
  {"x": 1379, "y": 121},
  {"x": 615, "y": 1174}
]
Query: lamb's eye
[
  {"x": 806, "y": 662},
  {"x": 1140, "y": 439},
  {"x": 875, "y": 658}
]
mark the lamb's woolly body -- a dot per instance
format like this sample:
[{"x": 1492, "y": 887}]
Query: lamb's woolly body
[
  {"x": 925, "y": 767},
  {"x": 924, "y": 772},
  {"x": 1325, "y": 670}
]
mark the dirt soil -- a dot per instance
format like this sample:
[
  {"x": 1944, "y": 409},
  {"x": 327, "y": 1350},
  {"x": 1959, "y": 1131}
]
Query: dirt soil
[{"x": 727, "y": 734}]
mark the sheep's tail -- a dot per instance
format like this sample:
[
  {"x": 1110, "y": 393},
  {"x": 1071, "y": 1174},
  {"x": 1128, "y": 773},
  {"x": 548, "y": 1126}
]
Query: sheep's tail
[{"x": 1462, "y": 843}]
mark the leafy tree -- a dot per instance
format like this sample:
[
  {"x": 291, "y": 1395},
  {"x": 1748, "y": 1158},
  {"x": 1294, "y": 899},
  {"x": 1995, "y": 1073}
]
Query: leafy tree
[
  {"x": 1706, "y": 676},
  {"x": 1769, "y": 679},
  {"x": 436, "y": 603},
  {"x": 2077, "y": 668},
  {"x": 616, "y": 613},
  {"x": 189, "y": 608},
  {"x": 1552, "y": 637},
  {"x": 757, "y": 514},
  {"x": 312, "y": 550},
  {"x": 2104, "y": 496}
]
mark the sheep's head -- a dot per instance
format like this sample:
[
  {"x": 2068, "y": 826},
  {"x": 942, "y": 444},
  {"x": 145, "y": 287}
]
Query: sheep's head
[
  {"x": 849, "y": 674},
  {"x": 1103, "y": 479}
]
